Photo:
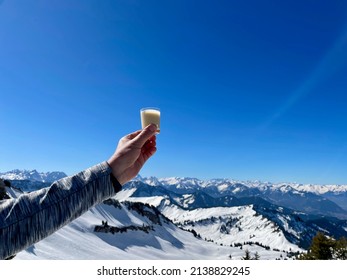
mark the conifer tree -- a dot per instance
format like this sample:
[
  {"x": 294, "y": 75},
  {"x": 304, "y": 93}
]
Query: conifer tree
[
  {"x": 340, "y": 249},
  {"x": 247, "y": 255},
  {"x": 321, "y": 247}
]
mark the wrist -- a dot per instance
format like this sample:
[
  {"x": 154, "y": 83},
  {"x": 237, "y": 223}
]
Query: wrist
[{"x": 115, "y": 180}]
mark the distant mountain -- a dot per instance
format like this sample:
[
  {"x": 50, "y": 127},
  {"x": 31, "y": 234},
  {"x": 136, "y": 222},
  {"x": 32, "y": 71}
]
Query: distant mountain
[
  {"x": 30, "y": 180},
  {"x": 296, "y": 227},
  {"x": 33, "y": 175},
  {"x": 330, "y": 200},
  {"x": 340, "y": 198},
  {"x": 27, "y": 185},
  {"x": 225, "y": 184}
]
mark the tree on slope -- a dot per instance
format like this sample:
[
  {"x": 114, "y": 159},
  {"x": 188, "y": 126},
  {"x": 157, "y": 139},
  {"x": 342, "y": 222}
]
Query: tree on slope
[
  {"x": 256, "y": 256},
  {"x": 340, "y": 250},
  {"x": 321, "y": 247},
  {"x": 326, "y": 248},
  {"x": 247, "y": 255}
]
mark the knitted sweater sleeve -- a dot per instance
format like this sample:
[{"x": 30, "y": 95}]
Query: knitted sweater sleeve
[{"x": 33, "y": 216}]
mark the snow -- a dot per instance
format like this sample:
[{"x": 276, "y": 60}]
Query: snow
[
  {"x": 222, "y": 187},
  {"x": 261, "y": 229},
  {"x": 78, "y": 241},
  {"x": 33, "y": 175},
  {"x": 224, "y": 184},
  {"x": 286, "y": 226},
  {"x": 186, "y": 182},
  {"x": 125, "y": 193},
  {"x": 221, "y": 226},
  {"x": 236, "y": 190},
  {"x": 320, "y": 189},
  {"x": 187, "y": 200},
  {"x": 152, "y": 200},
  {"x": 167, "y": 241}
]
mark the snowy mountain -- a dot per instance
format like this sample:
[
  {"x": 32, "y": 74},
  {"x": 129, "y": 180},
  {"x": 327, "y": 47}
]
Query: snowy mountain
[
  {"x": 188, "y": 218},
  {"x": 298, "y": 228},
  {"x": 29, "y": 180},
  {"x": 224, "y": 183},
  {"x": 326, "y": 200},
  {"x": 132, "y": 230},
  {"x": 32, "y": 175}
]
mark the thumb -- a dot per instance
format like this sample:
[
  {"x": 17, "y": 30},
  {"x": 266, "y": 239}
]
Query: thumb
[{"x": 145, "y": 134}]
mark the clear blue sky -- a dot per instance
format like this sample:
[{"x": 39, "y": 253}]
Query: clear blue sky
[{"x": 247, "y": 89}]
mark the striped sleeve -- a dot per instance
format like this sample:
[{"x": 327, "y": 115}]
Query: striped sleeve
[{"x": 33, "y": 216}]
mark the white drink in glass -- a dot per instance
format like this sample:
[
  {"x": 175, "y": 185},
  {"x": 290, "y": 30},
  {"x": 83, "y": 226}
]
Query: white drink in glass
[{"x": 150, "y": 115}]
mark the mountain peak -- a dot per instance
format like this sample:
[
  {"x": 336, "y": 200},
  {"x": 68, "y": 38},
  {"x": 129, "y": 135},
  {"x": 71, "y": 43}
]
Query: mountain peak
[{"x": 32, "y": 175}]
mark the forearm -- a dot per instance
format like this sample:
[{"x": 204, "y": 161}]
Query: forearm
[{"x": 34, "y": 216}]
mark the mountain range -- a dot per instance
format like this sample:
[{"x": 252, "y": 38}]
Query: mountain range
[
  {"x": 187, "y": 216},
  {"x": 298, "y": 226},
  {"x": 32, "y": 175},
  {"x": 315, "y": 199},
  {"x": 29, "y": 180}
]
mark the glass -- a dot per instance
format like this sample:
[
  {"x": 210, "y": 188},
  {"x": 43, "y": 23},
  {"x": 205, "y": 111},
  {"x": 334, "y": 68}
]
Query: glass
[{"x": 150, "y": 115}]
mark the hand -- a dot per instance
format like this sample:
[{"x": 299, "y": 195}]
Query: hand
[{"x": 132, "y": 152}]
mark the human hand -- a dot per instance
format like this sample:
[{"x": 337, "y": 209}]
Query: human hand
[{"x": 132, "y": 152}]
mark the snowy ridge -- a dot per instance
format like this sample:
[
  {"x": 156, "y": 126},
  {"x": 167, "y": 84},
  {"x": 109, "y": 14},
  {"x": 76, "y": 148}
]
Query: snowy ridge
[
  {"x": 323, "y": 200},
  {"x": 223, "y": 184},
  {"x": 234, "y": 225},
  {"x": 32, "y": 175},
  {"x": 149, "y": 235},
  {"x": 185, "y": 183},
  {"x": 188, "y": 218},
  {"x": 285, "y": 226},
  {"x": 321, "y": 189}
]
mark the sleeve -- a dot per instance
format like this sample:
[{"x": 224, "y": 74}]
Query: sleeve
[{"x": 33, "y": 216}]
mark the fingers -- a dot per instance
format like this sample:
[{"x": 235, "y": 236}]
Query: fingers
[
  {"x": 151, "y": 142},
  {"x": 133, "y": 135},
  {"x": 149, "y": 150},
  {"x": 144, "y": 135},
  {"x": 141, "y": 138}
]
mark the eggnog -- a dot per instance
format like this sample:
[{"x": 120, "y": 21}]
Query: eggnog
[{"x": 150, "y": 115}]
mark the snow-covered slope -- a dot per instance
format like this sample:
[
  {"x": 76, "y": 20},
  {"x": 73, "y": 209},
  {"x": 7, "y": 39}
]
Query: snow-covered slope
[
  {"x": 133, "y": 231},
  {"x": 226, "y": 226},
  {"x": 212, "y": 219},
  {"x": 232, "y": 225},
  {"x": 265, "y": 223}
]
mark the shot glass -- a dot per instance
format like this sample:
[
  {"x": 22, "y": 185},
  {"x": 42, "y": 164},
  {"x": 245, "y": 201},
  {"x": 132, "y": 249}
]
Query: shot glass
[{"x": 150, "y": 115}]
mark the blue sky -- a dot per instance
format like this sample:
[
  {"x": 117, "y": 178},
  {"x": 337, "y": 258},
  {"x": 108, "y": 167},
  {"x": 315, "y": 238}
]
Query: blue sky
[{"x": 247, "y": 89}]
